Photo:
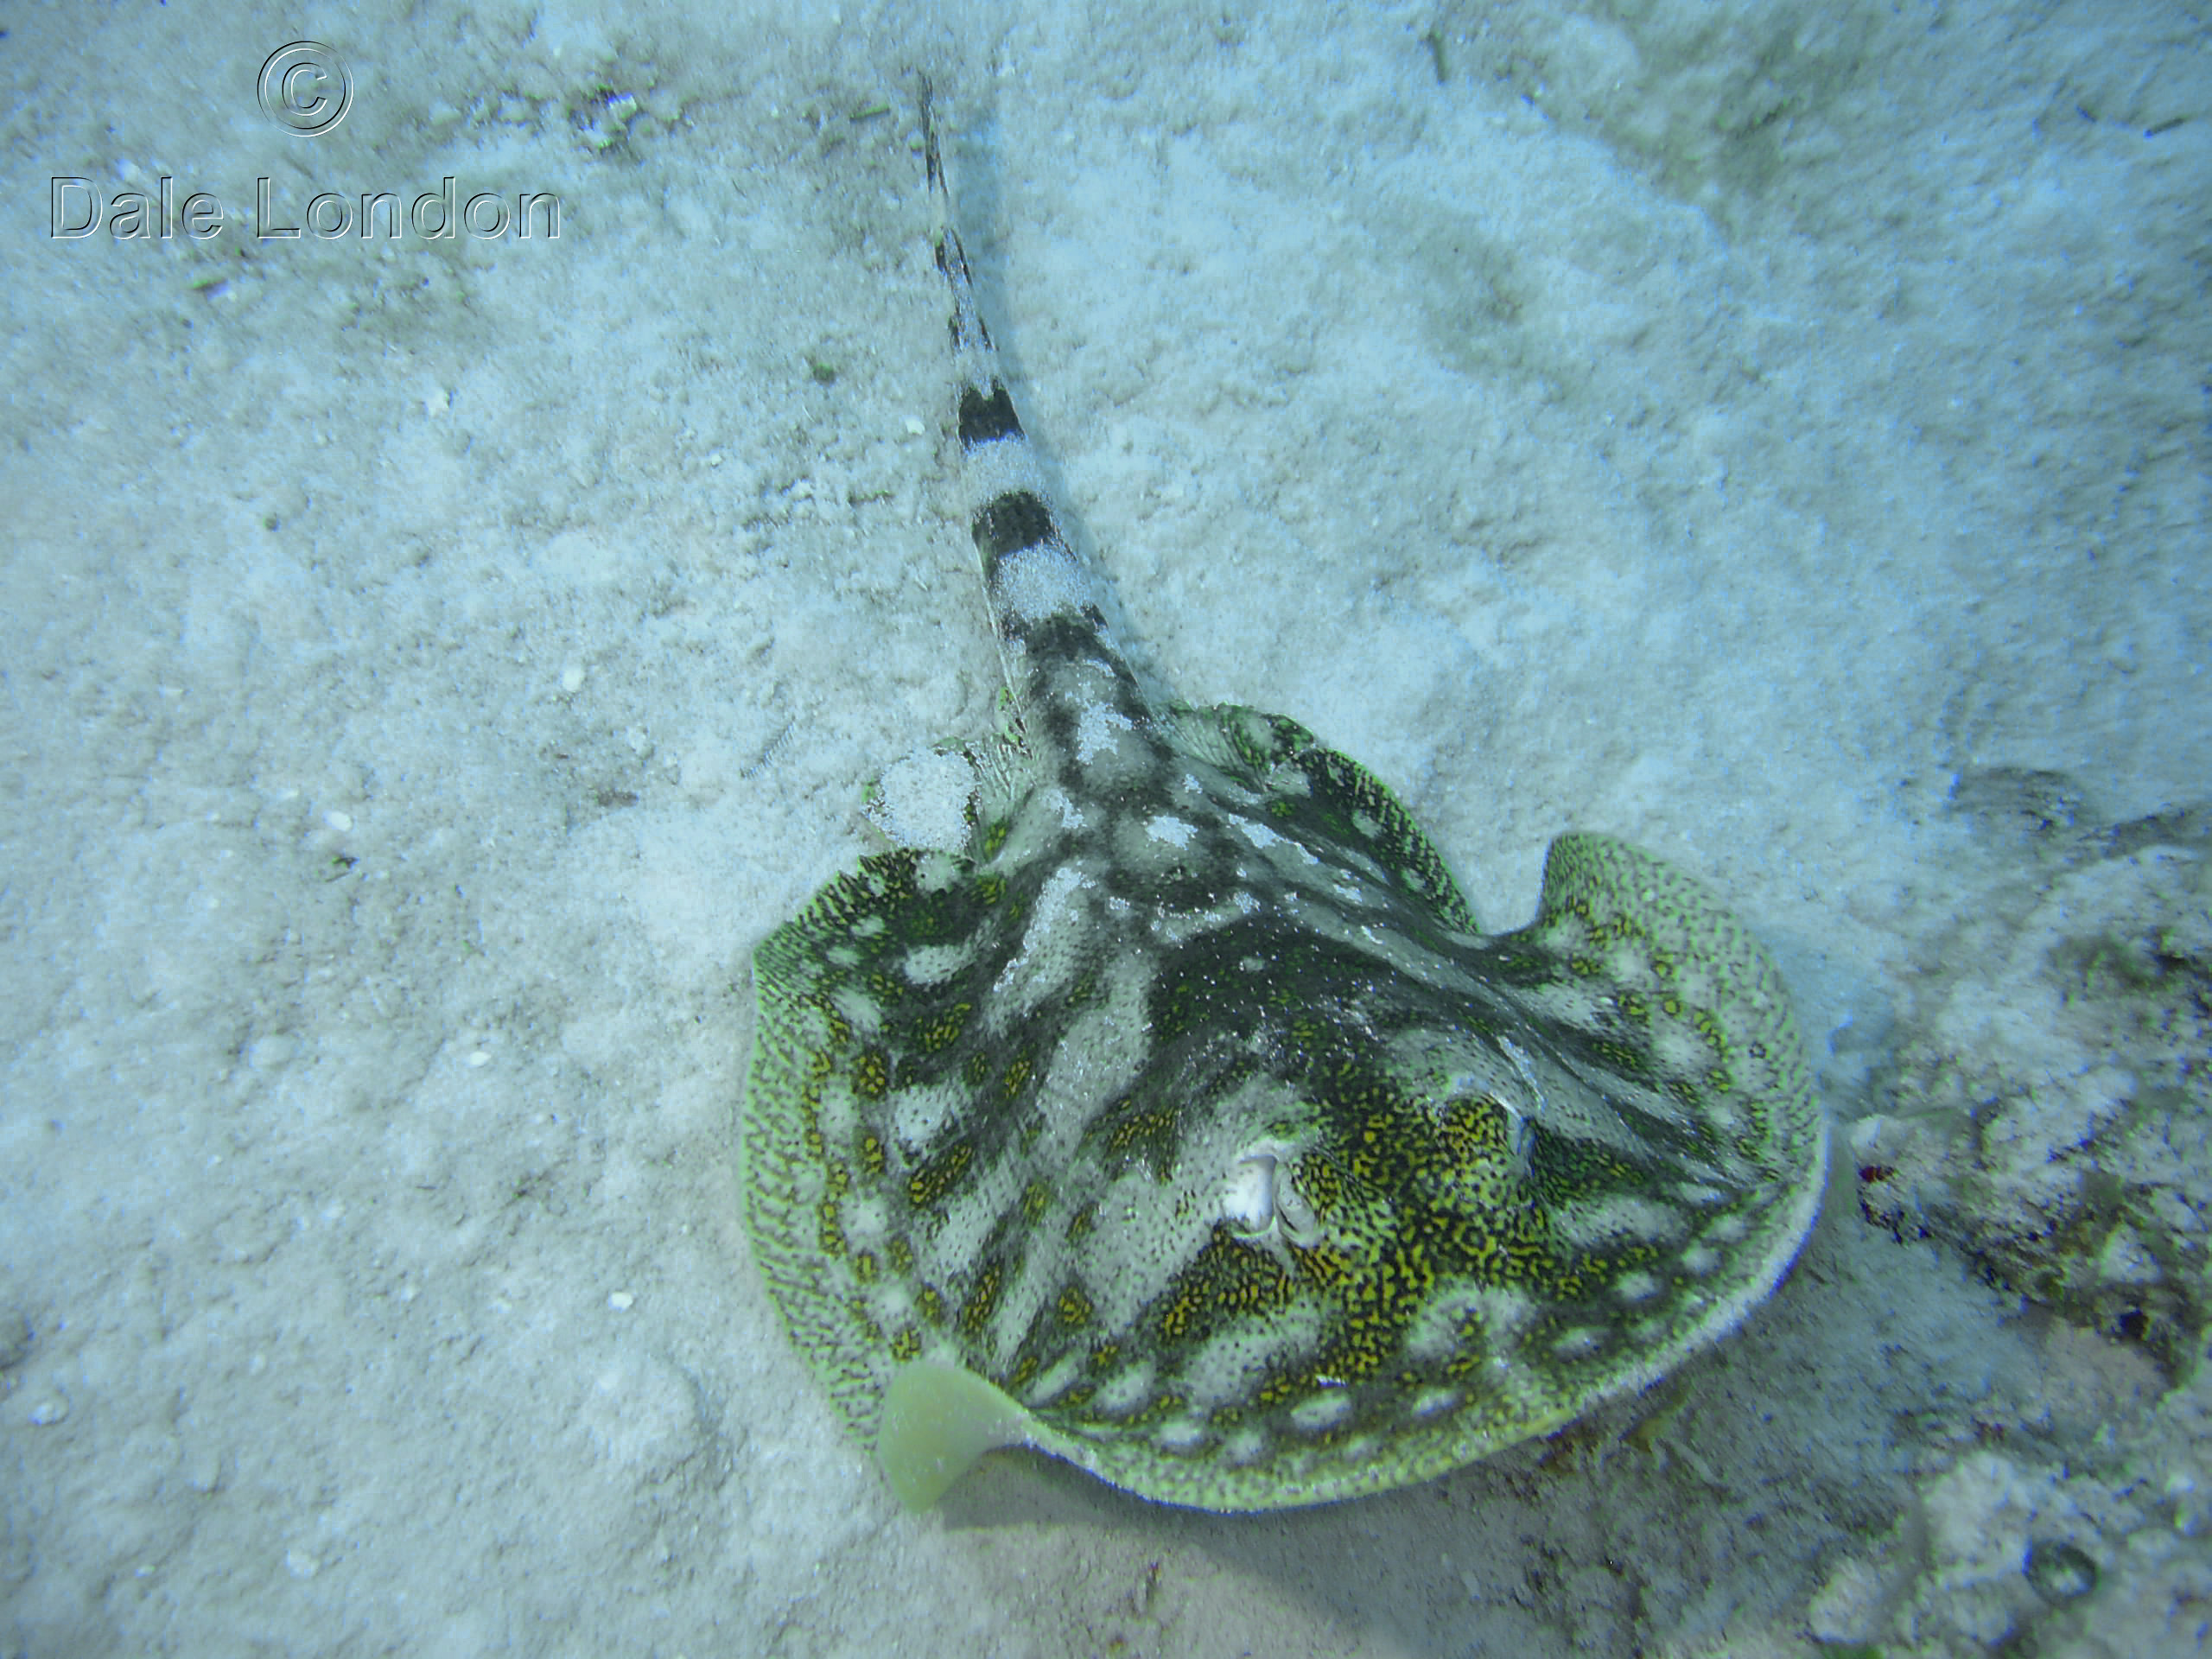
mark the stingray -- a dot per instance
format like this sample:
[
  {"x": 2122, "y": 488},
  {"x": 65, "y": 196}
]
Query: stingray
[{"x": 1184, "y": 1124}]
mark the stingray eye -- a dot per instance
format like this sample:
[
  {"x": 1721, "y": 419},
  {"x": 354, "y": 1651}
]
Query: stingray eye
[
  {"x": 1261, "y": 1199},
  {"x": 1300, "y": 1225},
  {"x": 1247, "y": 1204}
]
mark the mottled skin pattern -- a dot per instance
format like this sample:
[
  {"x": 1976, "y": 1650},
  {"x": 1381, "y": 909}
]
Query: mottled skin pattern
[{"x": 1188, "y": 1108}]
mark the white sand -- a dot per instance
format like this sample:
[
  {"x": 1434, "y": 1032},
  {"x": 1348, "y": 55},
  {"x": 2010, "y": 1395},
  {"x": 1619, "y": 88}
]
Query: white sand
[{"x": 430, "y": 669}]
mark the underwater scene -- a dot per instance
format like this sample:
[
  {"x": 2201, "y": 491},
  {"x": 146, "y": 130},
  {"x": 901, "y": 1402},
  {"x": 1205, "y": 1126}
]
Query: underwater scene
[{"x": 1107, "y": 830}]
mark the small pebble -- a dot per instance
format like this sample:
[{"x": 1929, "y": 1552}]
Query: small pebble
[{"x": 2059, "y": 1572}]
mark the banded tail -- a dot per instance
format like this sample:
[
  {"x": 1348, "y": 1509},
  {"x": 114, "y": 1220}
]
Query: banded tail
[{"x": 1064, "y": 668}]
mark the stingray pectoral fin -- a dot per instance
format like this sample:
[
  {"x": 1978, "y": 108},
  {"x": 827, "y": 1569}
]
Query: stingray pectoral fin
[
  {"x": 938, "y": 1419},
  {"x": 1676, "y": 989}
]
